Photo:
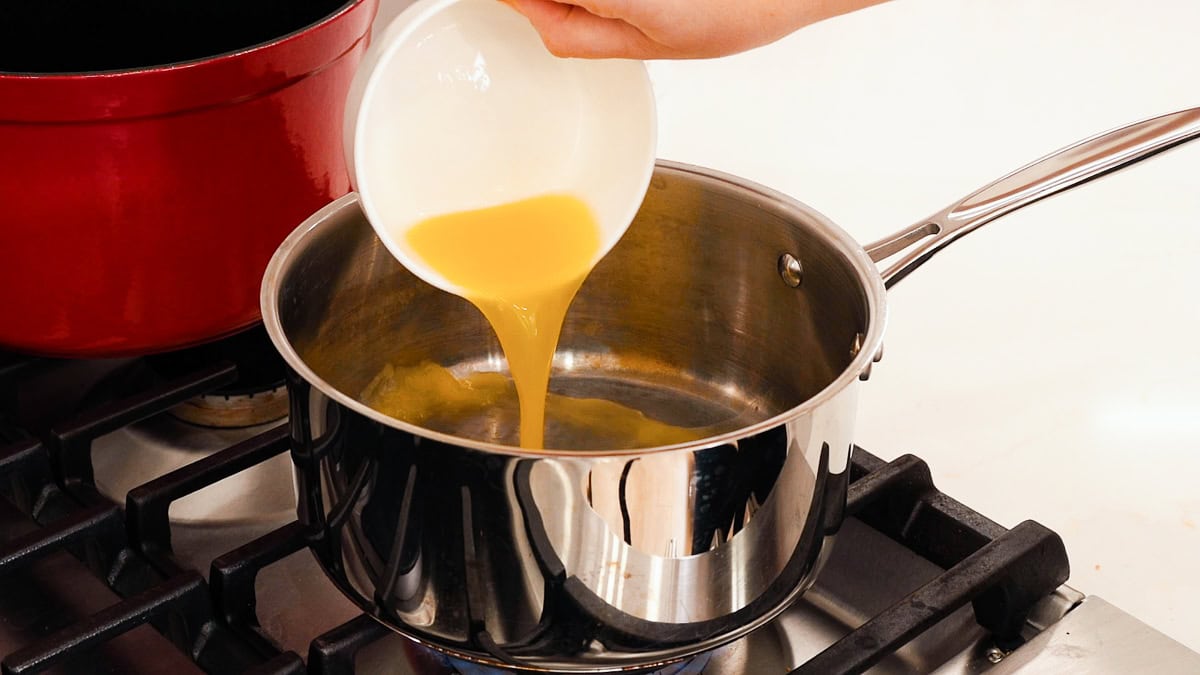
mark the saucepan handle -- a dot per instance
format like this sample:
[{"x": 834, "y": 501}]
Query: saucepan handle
[{"x": 1050, "y": 175}]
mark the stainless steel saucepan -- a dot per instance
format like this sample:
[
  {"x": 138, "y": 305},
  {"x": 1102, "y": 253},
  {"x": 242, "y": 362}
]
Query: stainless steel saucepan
[{"x": 726, "y": 307}]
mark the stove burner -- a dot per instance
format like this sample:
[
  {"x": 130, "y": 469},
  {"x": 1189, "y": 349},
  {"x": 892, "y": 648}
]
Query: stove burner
[
  {"x": 232, "y": 411},
  {"x": 257, "y": 396}
]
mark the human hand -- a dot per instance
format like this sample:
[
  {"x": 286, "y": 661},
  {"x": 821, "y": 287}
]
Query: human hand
[{"x": 671, "y": 29}]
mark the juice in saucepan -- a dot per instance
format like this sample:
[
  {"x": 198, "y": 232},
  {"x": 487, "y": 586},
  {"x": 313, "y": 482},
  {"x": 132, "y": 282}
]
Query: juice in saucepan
[{"x": 521, "y": 264}]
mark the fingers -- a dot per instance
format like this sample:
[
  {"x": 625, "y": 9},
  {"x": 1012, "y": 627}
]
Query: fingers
[{"x": 569, "y": 29}]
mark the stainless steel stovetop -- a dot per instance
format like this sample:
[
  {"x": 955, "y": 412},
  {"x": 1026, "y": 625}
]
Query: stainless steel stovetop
[{"x": 134, "y": 542}]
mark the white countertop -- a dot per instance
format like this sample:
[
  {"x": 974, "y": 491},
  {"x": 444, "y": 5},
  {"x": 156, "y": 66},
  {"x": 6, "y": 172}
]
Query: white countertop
[{"x": 1043, "y": 366}]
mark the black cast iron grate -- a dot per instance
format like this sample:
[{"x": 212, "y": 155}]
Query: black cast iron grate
[{"x": 47, "y": 475}]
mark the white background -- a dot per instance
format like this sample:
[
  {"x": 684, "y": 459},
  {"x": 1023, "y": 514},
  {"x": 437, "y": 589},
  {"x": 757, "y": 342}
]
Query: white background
[{"x": 1046, "y": 366}]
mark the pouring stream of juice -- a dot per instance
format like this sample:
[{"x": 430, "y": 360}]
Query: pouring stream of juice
[{"x": 521, "y": 264}]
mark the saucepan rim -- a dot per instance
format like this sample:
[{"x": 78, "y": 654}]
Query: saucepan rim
[{"x": 853, "y": 253}]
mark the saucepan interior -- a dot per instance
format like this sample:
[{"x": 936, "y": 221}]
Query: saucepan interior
[{"x": 690, "y": 319}]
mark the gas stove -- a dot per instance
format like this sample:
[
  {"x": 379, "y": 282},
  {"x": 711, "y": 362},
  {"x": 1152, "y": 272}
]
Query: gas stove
[{"x": 147, "y": 525}]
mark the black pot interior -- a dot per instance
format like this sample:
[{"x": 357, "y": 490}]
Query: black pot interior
[{"x": 78, "y": 36}]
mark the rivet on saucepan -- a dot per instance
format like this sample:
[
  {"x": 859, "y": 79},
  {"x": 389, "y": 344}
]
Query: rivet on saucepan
[
  {"x": 855, "y": 349},
  {"x": 791, "y": 270}
]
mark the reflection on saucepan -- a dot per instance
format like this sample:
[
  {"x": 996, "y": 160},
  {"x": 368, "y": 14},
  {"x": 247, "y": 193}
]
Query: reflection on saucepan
[{"x": 660, "y": 525}]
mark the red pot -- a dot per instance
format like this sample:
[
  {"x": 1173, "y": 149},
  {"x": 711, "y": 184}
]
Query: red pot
[{"x": 139, "y": 206}]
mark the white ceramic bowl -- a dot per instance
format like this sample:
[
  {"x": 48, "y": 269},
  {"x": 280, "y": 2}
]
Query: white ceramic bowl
[{"x": 458, "y": 105}]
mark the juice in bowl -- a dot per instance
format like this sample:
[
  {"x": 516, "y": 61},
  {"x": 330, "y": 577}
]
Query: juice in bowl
[{"x": 496, "y": 171}]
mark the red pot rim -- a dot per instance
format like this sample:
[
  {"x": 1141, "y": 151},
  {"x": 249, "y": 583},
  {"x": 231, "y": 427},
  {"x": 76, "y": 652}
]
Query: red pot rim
[{"x": 230, "y": 77}]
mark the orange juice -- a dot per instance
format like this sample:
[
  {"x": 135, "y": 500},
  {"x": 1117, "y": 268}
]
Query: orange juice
[
  {"x": 429, "y": 394},
  {"x": 521, "y": 264}
]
